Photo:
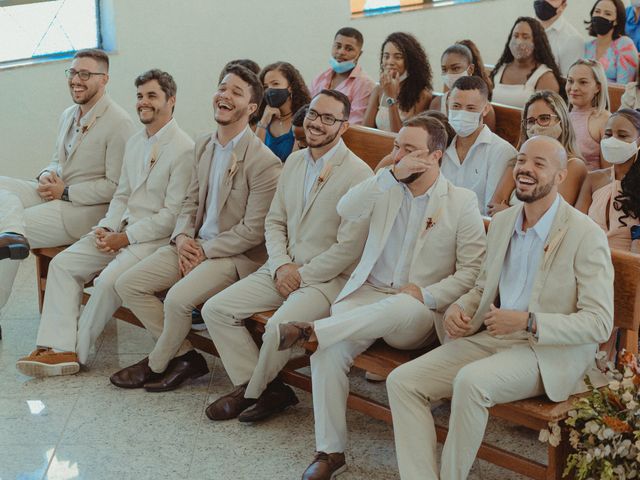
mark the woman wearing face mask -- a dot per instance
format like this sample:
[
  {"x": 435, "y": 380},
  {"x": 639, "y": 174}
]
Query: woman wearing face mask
[
  {"x": 285, "y": 92},
  {"x": 405, "y": 83},
  {"x": 611, "y": 197},
  {"x": 459, "y": 60},
  {"x": 589, "y": 108},
  {"x": 611, "y": 47},
  {"x": 545, "y": 113},
  {"x": 525, "y": 66}
]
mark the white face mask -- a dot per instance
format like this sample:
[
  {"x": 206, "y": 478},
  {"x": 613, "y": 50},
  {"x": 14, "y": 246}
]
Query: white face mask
[
  {"x": 464, "y": 122},
  {"x": 450, "y": 78},
  {"x": 617, "y": 151}
]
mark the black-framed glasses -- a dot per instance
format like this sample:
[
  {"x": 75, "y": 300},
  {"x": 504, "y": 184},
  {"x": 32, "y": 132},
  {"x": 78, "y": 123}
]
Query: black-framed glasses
[
  {"x": 82, "y": 74},
  {"x": 325, "y": 118},
  {"x": 543, "y": 120}
]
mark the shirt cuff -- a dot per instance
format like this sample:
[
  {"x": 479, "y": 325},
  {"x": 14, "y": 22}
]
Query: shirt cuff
[
  {"x": 132, "y": 240},
  {"x": 429, "y": 301},
  {"x": 386, "y": 181}
]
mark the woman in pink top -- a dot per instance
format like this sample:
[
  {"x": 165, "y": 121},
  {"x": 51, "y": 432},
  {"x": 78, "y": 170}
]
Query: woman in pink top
[
  {"x": 611, "y": 197},
  {"x": 589, "y": 108}
]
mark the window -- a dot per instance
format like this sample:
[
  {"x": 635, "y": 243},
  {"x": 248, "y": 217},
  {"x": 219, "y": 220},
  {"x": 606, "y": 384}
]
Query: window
[
  {"x": 377, "y": 7},
  {"x": 35, "y": 29}
]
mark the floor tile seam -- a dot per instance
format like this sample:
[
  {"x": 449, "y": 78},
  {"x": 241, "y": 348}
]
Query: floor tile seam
[
  {"x": 201, "y": 424},
  {"x": 64, "y": 427}
]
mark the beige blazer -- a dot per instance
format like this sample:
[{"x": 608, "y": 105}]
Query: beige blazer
[
  {"x": 572, "y": 296},
  {"x": 92, "y": 168},
  {"x": 149, "y": 197},
  {"x": 447, "y": 256},
  {"x": 313, "y": 235},
  {"x": 243, "y": 201}
]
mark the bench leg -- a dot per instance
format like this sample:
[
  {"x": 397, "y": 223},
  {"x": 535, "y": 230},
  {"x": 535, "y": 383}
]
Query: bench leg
[
  {"x": 558, "y": 457},
  {"x": 42, "y": 269}
]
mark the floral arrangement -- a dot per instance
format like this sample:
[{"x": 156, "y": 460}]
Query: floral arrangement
[{"x": 604, "y": 427}]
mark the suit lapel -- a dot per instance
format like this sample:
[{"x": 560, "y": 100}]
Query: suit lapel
[
  {"x": 62, "y": 152},
  {"x": 204, "y": 167},
  {"x": 237, "y": 156},
  {"x": 432, "y": 214},
  {"x": 556, "y": 235},
  {"x": 98, "y": 111}
]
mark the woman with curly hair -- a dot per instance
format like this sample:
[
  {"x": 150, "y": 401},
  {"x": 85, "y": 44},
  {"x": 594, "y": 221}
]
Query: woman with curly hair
[
  {"x": 405, "y": 83},
  {"x": 284, "y": 93},
  {"x": 525, "y": 66},
  {"x": 611, "y": 197}
]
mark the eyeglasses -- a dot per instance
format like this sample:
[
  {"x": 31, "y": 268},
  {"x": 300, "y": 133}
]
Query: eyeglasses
[
  {"x": 82, "y": 74},
  {"x": 543, "y": 120},
  {"x": 325, "y": 118}
]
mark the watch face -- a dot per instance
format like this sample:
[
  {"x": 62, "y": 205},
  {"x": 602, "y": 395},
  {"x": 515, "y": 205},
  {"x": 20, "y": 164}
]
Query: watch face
[{"x": 390, "y": 101}]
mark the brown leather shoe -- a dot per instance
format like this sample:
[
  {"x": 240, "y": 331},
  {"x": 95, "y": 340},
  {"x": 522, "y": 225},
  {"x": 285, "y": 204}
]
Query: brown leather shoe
[
  {"x": 292, "y": 334},
  {"x": 325, "y": 466},
  {"x": 44, "y": 362},
  {"x": 134, "y": 376},
  {"x": 182, "y": 368},
  {"x": 276, "y": 397},
  {"x": 230, "y": 405},
  {"x": 13, "y": 246}
]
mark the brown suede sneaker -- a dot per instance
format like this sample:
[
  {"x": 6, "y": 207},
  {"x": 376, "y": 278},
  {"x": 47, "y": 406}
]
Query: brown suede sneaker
[
  {"x": 325, "y": 466},
  {"x": 44, "y": 362}
]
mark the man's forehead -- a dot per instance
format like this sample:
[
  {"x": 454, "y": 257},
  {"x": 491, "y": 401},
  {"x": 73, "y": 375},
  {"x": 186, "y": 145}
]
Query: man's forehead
[
  {"x": 326, "y": 104},
  {"x": 84, "y": 63},
  {"x": 233, "y": 80},
  {"x": 416, "y": 136}
]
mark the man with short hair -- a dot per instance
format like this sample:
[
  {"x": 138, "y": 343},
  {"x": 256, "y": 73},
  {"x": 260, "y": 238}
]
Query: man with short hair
[
  {"x": 155, "y": 174},
  {"x": 477, "y": 157},
  {"x": 566, "y": 42},
  {"x": 218, "y": 238},
  {"x": 345, "y": 75},
  {"x": 71, "y": 194},
  {"x": 425, "y": 246},
  {"x": 311, "y": 250},
  {"x": 545, "y": 300}
]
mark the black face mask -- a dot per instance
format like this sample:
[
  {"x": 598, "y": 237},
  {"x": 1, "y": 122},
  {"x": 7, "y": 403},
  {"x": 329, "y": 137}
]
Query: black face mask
[
  {"x": 601, "y": 26},
  {"x": 544, "y": 10},
  {"x": 275, "y": 97}
]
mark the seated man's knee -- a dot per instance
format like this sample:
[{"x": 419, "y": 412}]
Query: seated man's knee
[
  {"x": 466, "y": 383},
  {"x": 175, "y": 303}
]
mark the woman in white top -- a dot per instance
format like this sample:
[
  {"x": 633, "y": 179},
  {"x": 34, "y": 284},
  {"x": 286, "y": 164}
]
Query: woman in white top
[
  {"x": 631, "y": 96},
  {"x": 526, "y": 65}
]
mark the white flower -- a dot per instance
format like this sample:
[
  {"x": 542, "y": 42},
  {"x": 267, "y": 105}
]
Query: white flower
[
  {"x": 614, "y": 385},
  {"x": 632, "y": 405},
  {"x": 627, "y": 383},
  {"x": 627, "y": 397},
  {"x": 592, "y": 427},
  {"x": 608, "y": 433},
  {"x": 574, "y": 439},
  {"x": 544, "y": 436}
]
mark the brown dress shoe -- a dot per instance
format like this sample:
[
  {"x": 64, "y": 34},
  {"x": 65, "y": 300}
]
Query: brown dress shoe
[
  {"x": 182, "y": 368},
  {"x": 325, "y": 466},
  {"x": 276, "y": 397},
  {"x": 13, "y": 246},
  {"x": 134, "y": 376},
  {"x": 229, "y": 406},
  {"x": 44, "y": 362},
  {"x": 293, "y": 334}
]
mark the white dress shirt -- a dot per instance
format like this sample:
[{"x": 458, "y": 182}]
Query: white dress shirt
[
  {"x": 566, "y": 43},
  {"x": 219, "y": 165},
  {"x": 314, "y": 169},
  {"x": 482, "y": 168},
  {"x": 522, "y": 260}
]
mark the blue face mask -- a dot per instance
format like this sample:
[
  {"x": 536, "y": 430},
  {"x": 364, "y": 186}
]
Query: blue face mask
[{"x": 341, "y": 67}]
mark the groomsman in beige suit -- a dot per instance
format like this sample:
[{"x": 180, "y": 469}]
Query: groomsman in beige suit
[
  {"x": 71, "y": 194},
  {"x": 425, "y": 247},
  {"x": 155, "y": 174},
  {"x": 218, "y": 239},
  {"x": 311, "y": 250},
  {"x": 531, "y": 325}
]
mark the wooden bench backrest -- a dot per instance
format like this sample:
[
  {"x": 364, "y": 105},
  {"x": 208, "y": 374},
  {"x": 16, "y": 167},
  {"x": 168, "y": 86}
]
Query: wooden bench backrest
[
  {"x": 370, "y": 144},
  {"x": 626, "y": 290},
  {"x": 615, "y": 97},
  {"x": 508, "y": 123}
]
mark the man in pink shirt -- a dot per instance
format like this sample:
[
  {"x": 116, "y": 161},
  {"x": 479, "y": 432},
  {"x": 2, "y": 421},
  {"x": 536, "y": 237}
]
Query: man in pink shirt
[{"x": 345, "y": 75}]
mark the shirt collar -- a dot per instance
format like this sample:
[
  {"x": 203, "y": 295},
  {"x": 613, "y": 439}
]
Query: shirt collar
[
  {"x": 486, "y": 136},
  {"x": 319, "y": 163},
  {"x": 234, "y": 141},
  {"x": 543, "y": 226},
  {"x": 161, "y": 133},
  {"x": 558, "y": 25}
]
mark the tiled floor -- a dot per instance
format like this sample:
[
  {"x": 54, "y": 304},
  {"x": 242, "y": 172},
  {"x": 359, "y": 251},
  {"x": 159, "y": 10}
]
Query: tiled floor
[{"x": 81, "y": 427}]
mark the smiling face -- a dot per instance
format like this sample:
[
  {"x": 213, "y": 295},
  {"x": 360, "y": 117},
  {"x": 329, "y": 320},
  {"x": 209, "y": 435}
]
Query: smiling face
[
  {"x": 85, "y": 91},
  {"x": 582, "y": 87},
  {"x": 153, "y": 106},
  {"x": 540, "y": 168},
  {"x": 345, "y": 49},
  {"x": 317, "y": 133},
  {"x": 232, "y": 101},
  {"x": 392, "y": 59}
]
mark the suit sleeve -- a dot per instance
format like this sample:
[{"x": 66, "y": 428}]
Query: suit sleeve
[
  {"x": 118, "y": 204},
  {"x": 186, "y": 221},
  {"x": 358, "y": 203},
  {"x": 276, "y": 228}
]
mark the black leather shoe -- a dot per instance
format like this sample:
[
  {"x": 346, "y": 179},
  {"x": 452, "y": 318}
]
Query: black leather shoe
[
  {"x": 13, "y": 246},
  {"x": 230, "y": 405},
  {"x": 182, "y": 368},
  {"x": 274, "y": 399},
  {"x": 134, "y": 376}
]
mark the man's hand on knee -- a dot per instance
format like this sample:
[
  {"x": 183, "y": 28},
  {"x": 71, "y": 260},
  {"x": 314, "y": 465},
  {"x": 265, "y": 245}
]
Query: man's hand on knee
[
  {"x": 288, "y": 279},
  {"x": 413, "y": 290},
  {"x": 455, "y": 322},
  {"x": 112, "y": 242},
  {"x": 504, "y": 322},
  {"x": 51, "y": 187}
]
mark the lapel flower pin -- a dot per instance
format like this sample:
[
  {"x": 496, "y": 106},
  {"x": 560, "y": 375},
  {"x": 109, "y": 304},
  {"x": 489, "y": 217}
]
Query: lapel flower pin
[
  {"x": 324, "y": 173},
  {"x": 233, "y": 168},
  {"x": 431, "y": 222}
]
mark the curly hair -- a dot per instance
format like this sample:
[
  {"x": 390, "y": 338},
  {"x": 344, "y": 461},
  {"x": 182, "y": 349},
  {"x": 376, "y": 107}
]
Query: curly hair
[
  {"x": 628, "y": 201},
  {"x": 621, "y": 19},
  {"x": 299, "y": 91},
  {"x": 478, "y": 63},
  {"x": 541, "y": 50},
  {"x": 419, "y": 74}
]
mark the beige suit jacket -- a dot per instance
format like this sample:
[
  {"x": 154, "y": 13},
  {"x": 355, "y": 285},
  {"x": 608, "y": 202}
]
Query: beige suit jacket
[
  {"x": 313, "y": 235},
  {"x": 243, "y": 201},
  {"x": 92, "y": 168},
  {"x": 572, "y": 296},
  {"x": 149, "y": 197}
]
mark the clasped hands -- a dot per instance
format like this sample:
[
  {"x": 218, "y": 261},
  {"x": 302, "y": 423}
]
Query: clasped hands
[
  {"x": 190, "y": 254},
  {"x": 50, "y": 186},
  {"x": 498, "y": 321},
  {"x": 288, "y": 279},
  {"x": 110, "y": 242}
]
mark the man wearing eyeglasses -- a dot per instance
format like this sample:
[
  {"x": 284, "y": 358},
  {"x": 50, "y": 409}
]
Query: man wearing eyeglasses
[
  {"x": 312, "y": 252},
  {"x": 73, "y": 192}
]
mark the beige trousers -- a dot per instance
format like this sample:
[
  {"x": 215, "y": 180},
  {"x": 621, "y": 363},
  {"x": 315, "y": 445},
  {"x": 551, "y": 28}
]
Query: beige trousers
[
  {"x": 225, "y": 313},
  {"x": 169, "y": 322},
  {"x": 23, "y": 211},
  {"x": 476, "y": 372}
]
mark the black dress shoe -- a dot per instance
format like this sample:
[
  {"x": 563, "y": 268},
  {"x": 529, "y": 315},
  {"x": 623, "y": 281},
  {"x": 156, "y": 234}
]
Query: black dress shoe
[
  {"x": 13, "y": 246},
  {"x": 185, "y": 367},
  {"x": 274, "y": 399},
  {"x": 134, "y": 376},
  {"x": 230, "y": 405}
]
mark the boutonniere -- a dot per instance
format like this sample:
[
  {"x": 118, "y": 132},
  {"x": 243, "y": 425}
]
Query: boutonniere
[
  {"x": 431, "y": 222},
  {"x": 232, "y": 169},
  {"x": 88, "y": 126},
  {"x": 154, "y": 157},
  {"x": 324, "y": 173}
]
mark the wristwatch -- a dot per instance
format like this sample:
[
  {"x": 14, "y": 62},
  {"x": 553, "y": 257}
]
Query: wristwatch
[
  {"x": 65, "y": 194},
  {"x": 530, "y": 322},
  {"x": 390, "y": 101}
]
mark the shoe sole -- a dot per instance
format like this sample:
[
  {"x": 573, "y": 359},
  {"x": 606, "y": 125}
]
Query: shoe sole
[
  {"x": 14, "y": 252},
  {"x": 38, "y": 369},
  {"x": 280, "y": 409},
  {"x": 339, "y": 471},
  {"x": 198, "y": 326},
  {"x": 174, "y": 387}
]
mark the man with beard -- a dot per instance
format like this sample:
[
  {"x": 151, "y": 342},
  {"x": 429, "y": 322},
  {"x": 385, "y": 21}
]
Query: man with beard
[
  {"x": 311, "y": 254},
  {"x": 73, "y": 192},
  {"x": 155, "y": 173},
  {"x": 425, "y": 246},
  {"x": 543, "y": 302},
  {"x": 218, "y": 238}
]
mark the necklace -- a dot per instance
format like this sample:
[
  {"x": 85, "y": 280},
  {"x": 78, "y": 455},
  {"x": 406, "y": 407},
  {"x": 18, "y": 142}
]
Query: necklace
[{"x": 282, "y": 118}]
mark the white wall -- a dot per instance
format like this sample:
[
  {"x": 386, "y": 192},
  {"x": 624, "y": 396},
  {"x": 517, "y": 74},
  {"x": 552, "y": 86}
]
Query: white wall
[{"x": 193, "y": 39}]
